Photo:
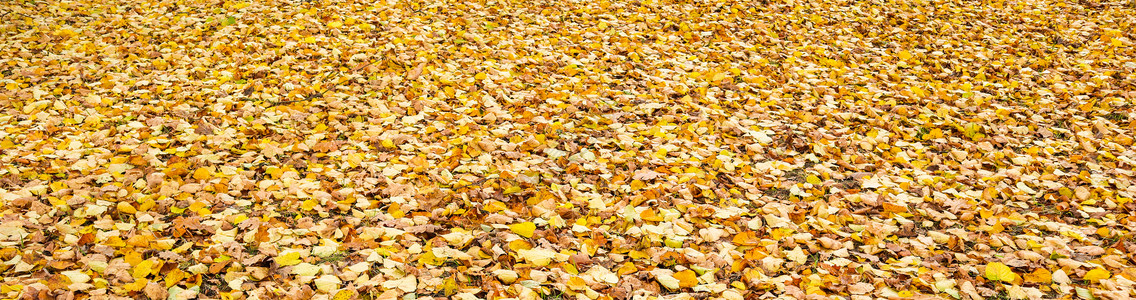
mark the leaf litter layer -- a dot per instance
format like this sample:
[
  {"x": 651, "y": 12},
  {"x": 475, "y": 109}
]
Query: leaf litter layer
[{"x": 595, "y": 149}]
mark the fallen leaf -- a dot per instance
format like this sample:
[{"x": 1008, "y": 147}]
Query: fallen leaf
[
  {"x": 288, "y": 259},
  {"x": 666, "y": 279},
  {"x": 686, "y": 278},
  {"x": 999, "y": 272},
  {"x": 538, "y": 257},
  {"x": 1097, "y": 274},
  {"x": 523, "y": 229}
]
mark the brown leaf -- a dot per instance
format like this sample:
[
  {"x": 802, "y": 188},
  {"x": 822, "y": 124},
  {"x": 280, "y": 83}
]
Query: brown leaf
[
  {"x": 154, "y": 290},
  {"x": 646, "y": 174},
  {"x": 417, "y": 71}
]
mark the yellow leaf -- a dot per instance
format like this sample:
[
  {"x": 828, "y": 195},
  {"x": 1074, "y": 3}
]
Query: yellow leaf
[
  {"x": 199, "y": 207},
  {"x": 137, "y": 285},
  {"x": 1040, "y": 275},
  {"x": 308, "y": 204},
  {"x": 812, "y": 179},
  {"x": 718, "y": 77},
  {"x": 173, "y": 277},
  {"x": 1097, "y": 274},
  {"x": 918, "y": 91},
  {"x": 495, "y": 206},
  {"x": 288, "y": 259},
  {"x": 577, "y": 283},
  {"x": 933, "y": 134},
  {"x": 480, "y": 76},
  {"x": 450, "y": 286},
  {"x": 571, "y": 269},
  {"x": 143, "y": 269},
  {"x": 126, "y": 208},
  {"x": 345, "y": 294},
  {"x": 627, "y": 268},
  {"x": 430, "y": 259},
  {"x": 335, "y": 24},
  {"x": 202, "y": 174},
  {"x": 999, "y": 272},
  {"x": 904, "y": 55},
  {"x": 637, "y": 185},
  {"x": 114, "y": 241},
  {"x": 523, "y": 229},
  {"x": 395, "y": 210},
  {"x": 997, "y": 228},
  {"x": 519, "y": 244},
  {"x": 147, "y": 205},
  {"x": 686, "y": 278},
  {"x": 985, "y": 213}
]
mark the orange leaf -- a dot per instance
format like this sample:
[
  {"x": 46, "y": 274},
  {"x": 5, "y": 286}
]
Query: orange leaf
[
  {"x": 577, "y": 283},
  {"x": 746, "y": 238},
  {"x": 137, "y": 285},
  {"x": 686, "y": 278},
  {"x": 1040, "y": 275},
  {"x": 627, "y": 268},
  {"x": 203, "y": 174},
  {"x": 892, "y": 208},
  {"x": 649, "y": 215}
]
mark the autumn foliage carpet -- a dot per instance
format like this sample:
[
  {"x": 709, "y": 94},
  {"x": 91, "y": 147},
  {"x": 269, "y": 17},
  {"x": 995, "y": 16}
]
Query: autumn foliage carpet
[{"x": 567, "y": 149}]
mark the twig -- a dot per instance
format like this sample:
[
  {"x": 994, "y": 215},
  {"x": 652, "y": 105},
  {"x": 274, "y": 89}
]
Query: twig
[
  {"x": 338, "y": 82},
  {"x": 320, "y": 94},
  {"x": 477, "y": 183},
  {"x": 12, "y": 12},
  {"x": 275, "y": 103}
]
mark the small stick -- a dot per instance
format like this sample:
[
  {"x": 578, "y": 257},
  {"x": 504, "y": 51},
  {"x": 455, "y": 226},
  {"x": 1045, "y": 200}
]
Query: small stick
[
  {"x": 320, "y": 94},
  {"x": 477, "y": 183}
]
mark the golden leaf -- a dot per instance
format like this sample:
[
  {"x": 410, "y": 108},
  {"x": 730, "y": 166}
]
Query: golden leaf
[
  {"x": 525, "y": 229},
  {"x": 999, "y": 272},
  {"x": 1041, "y": 275},
  {"x": 288, "y": 259},
  {"x": 686, "y": 278},
  {"x": 1097, "y": 274}
]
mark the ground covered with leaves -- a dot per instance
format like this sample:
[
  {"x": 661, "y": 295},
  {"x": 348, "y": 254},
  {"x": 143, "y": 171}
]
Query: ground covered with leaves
[{"x": 567, "y": 149}]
